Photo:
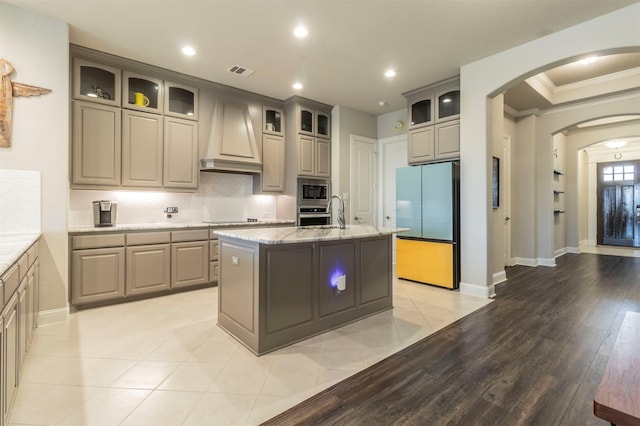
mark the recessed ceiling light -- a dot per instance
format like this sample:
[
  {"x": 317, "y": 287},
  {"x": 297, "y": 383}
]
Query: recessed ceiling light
[
  {"x": 390, "y": 73},
  {"x": 188, "y": 50},
  {"x": 297, "y": 86},
  {"x": 301, "y": 31}
]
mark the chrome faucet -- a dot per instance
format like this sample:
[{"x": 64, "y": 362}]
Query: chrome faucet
[{"x": 341, "y": 221}]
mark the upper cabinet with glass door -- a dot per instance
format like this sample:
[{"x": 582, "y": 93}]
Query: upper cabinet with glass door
[
  {"x": 96, "y": 82},
  {"x": 448, "y": 103},
  {"x": 142, "y": 93},
  {"x": 314, "y": 122},
  {"x": 421, "y": 110},
  {"x": 272, "y": 120},
  {"x": 180, "y": 101}
]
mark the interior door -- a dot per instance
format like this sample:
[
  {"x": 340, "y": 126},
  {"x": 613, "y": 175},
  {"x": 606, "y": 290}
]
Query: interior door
[
  {"x": 394, "y": 156},
  {"x": 618, "y": 203},
  {"x": 363, "y": 180}
]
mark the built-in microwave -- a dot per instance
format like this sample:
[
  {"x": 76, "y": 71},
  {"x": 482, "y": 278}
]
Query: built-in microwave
[{"x": 313, "y": 192}]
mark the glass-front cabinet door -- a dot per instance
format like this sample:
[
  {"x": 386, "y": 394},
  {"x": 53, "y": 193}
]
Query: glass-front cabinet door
[
  {"x": 306, "y": 121},
  {"x": 180, "y": 101},
  {"x": 323, "y": 128},
  {"x": 96, "y": 82},
  {"x": 272, "y": 120},
  {"x": 142, "y": 93},
  {"x": 448, "y": 105},
  {"x": 421, "y": 112}
]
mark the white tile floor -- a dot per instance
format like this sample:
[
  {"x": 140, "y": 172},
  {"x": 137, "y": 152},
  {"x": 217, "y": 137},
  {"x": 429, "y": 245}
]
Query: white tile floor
[{"x": 164, "y": 361}]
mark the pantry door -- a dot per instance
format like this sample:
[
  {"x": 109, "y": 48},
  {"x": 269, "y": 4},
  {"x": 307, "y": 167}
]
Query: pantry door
[{"x": 363, "y": 180}]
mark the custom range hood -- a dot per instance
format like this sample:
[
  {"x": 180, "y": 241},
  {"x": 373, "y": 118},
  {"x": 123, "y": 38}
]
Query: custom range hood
[{"x": 232, "y": 146}]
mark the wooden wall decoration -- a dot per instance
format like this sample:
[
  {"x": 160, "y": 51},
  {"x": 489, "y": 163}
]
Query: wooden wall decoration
[{"x": 9, "y": 89}]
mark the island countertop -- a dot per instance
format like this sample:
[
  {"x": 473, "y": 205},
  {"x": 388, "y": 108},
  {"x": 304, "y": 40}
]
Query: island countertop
[{"x": 288, "y": 235}]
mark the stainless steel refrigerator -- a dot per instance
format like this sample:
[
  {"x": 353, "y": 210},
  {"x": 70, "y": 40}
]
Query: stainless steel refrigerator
[{"x": 427, "y": 202}]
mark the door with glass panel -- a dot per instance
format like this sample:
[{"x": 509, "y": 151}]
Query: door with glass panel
[{"x": 619, "y": 203}]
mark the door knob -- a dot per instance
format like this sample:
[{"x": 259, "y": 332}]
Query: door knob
[
  {"x": 507, "y": 218},
  {"x": 388, "y": 217},
  {"x": 356, "y": 218}
]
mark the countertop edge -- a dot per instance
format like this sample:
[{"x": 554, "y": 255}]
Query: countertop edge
[
  {"x": 12, "y": 246},
  {"x": 292, "y": 235},
  {"x": 171, "y": 226}
]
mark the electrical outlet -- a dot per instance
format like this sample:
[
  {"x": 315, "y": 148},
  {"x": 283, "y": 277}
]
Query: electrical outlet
[{"x": 171, "y": 210}]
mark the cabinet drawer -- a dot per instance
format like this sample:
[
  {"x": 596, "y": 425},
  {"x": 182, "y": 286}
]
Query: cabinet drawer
[
  {"x": 192, "y": 235},
  {"x": 148, "y": 238},
  {"x": 11, "y": 279},
  {"x": 97, "y": 241},
  {"x": 213, "y": 250}
]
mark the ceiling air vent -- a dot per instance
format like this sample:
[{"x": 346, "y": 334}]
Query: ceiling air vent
[{"x": 240, "y": 70}]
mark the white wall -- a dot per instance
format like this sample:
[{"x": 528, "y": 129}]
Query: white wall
[
  {"x": 490, "y": 76},
  {"x": 38, "y": 48},
  {"x": 220, "y": 197}
]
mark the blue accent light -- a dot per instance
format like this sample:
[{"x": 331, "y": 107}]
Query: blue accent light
[{"x": 334, "y": 276}]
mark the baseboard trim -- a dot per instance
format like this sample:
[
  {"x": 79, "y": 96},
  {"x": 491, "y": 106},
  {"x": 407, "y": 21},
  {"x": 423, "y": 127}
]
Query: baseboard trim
[
  {"x": 52, "y": 316},
  {"x": 478, "y": 290},
  {"x": 525, "y": 261},
  {"x": 546, "y": 262},
  {"x": 499, "y": 277},
  {"x": 575, "y": 250},
  {"x": 559, "y": 252}
]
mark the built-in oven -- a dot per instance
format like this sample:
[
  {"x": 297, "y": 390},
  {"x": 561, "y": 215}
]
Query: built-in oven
[
  {"x": 313, "y": 216},
  {"x": 313, "y": 192}
]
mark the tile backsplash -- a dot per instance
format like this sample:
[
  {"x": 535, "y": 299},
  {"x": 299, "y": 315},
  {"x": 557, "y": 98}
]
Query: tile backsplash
[
  {"x": 20, "y": 201},
  {"x": 220, "y": 197}
]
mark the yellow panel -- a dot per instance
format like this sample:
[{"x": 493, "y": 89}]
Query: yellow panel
[{"x": 425, "y": 261}]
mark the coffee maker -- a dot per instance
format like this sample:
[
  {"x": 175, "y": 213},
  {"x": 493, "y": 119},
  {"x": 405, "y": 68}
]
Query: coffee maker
[{"x": 104, "y": 212}]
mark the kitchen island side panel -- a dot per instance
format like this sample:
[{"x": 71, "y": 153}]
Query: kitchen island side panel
[{"x": 375, "y": 270}]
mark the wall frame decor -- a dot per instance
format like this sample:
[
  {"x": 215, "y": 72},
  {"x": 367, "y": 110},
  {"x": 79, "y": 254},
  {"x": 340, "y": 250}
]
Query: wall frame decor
[{"x": 495, "y": 182}]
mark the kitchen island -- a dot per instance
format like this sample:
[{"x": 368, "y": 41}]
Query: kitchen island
[{"x": 278, "y": 286}]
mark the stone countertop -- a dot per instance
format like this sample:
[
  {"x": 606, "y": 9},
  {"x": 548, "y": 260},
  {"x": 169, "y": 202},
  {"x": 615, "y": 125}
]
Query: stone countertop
[
  {"x": 174, "y": 225},
  {"x": 12, "y": 246},
  {"x": 288, "y": 235}
]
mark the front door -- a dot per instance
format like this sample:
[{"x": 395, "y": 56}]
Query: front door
[{"x": 619, "y": 203}]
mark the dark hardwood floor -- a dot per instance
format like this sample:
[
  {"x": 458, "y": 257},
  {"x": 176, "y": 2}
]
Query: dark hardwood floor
[{"x": 532, "y": 357}]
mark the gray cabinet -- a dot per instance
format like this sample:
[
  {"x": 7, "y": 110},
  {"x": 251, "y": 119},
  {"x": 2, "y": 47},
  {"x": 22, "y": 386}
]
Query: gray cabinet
[
  {"x": 97, "y": 268},
  {"x": 10, "y": 357},
  {"x": 142, "y": 93},
  {"x": 420, "y": 145},
  {"x": 148, "y": 263},
  {"x": 17, "y": 322},
  {"x": 273, "y": 155},
  {"x": 142, "y": 149},
  {"x": 273, "y": 152},
  {"x": 96, "y": 82},
  {"x": 180, "y": 153},
  {"x": 189, "y": 258},
  {"x": 180, "y": 101},
  {"x": 434, "y": 129},
  {"x": 96, "y": 147},
  {"x": 214, "y": 254},
  {"x": 141, "y": 132},
  {"x": 311, "y": 129}
]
